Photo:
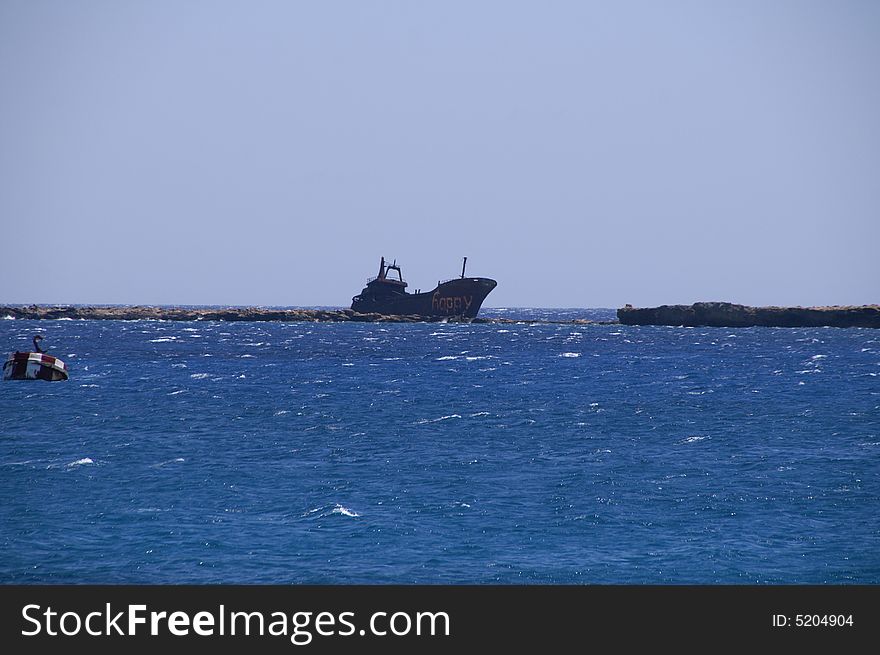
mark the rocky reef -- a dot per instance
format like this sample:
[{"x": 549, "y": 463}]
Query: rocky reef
[
  {"x": 143, "y": 312},
  {"x": 139, "y": 312},
  {"x": 724, "y": 314},
  {"x": 713, "y": 314}
]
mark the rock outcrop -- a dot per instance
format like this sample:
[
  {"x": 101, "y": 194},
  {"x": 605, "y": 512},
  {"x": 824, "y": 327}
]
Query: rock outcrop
[
  {"x": 724, "y": 314},
  {"x": 138, "y": 312}
]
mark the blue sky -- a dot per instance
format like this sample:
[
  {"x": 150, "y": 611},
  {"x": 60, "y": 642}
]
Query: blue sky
[{"x": 583, "y": 154}]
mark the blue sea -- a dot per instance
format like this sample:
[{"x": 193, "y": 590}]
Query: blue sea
[{"x": 528, "y": 452}]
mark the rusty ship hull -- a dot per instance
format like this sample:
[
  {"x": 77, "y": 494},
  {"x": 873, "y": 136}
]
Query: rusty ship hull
[{"x": 459, "y": 297}]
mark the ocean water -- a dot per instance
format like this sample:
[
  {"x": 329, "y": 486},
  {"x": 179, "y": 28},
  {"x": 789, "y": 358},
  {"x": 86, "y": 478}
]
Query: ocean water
[{"x": 209, "y": 452}]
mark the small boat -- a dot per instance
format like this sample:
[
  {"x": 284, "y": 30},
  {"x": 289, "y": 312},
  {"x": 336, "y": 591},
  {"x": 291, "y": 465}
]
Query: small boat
[
  {"x": 461, "y": 296},
  {"x": 34, "y": 365}
]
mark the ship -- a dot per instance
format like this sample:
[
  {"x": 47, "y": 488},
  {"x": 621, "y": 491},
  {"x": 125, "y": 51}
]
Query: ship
[
  {"x": 36, "y": 365},
  {"x": 387, "y": 294}
]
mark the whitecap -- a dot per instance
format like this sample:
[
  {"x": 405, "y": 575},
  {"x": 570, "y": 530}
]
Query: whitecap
[
  {"x": 174, "y": 393},
  {"x": 479, "y": 414},
  {"x": 87, "y": 386},
  {"x": 280, "y": 412},
  {"x": 200, "y": 376},
  {"x": 570, "y": 355},
  {"x": 693, "y": 439},
  {"x": 339, "y": 509},
  {"x": 176, "y": 460},
  {"x": 162, "y": 340},
  {"x": 81, "y": 462},
  {"x": 247, "y": 356},
  {"x": 9, "y": 317},
  {"x": 814, "y": 357},
  {"x": 445, "y": 358},
  {"x": 435, "y": 420}
]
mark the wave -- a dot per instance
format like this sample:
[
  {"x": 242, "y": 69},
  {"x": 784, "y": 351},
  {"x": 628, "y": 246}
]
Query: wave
[
  {"x": 435, "y": 420},
  {"x": 339, "y": 509},
  {"x": 176, "y": 460},
  {"x": 81, "y": 462}
]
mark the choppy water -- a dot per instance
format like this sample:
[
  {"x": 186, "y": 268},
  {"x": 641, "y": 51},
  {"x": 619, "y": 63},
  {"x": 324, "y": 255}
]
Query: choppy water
[{"x": 442, "y": 453}]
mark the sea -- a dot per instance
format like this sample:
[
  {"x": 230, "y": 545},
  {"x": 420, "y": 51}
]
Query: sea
[{"x": 523, "y": 452}]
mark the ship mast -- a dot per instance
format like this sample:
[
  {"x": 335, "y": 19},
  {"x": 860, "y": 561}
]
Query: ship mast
[{"x": 463, "y": 264}]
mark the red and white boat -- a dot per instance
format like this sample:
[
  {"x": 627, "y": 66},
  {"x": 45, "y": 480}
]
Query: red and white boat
[{"x": 34, "y": 366}]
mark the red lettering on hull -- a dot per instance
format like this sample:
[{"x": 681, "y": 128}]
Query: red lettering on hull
[{"x": 451, "y": 304}]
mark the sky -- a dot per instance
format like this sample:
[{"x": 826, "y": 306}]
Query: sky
[{"x": 583, "y": 154}]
